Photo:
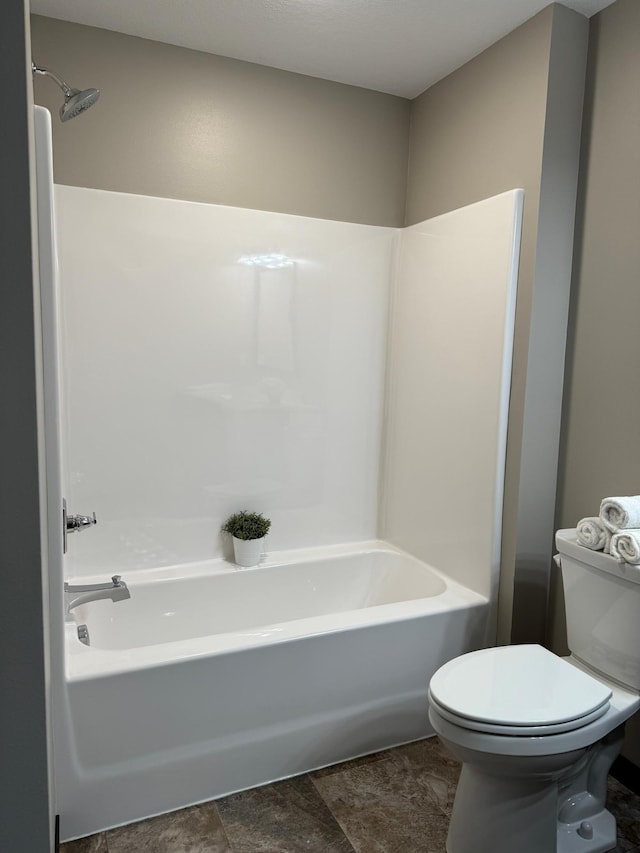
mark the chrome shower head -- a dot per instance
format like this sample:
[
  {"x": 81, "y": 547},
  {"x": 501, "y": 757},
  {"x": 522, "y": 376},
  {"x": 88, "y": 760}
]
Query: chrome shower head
[{"x": 75, "y": 100}]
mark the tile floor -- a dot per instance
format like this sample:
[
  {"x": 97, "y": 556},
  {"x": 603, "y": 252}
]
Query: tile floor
[{"x": 397, "y": 801}]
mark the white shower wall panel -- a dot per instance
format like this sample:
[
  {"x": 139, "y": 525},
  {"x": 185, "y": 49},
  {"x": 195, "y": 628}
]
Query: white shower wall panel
[
  {"x": 197, "y": 383},
  {"x": 449, "y": 380}
]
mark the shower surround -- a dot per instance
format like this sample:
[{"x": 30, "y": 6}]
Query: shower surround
[
  {"x": 217, "y": 359},
  {"x": 349, "y": 381}
]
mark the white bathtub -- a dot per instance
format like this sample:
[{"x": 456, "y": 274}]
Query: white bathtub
[{"x": 211, "y": 679}]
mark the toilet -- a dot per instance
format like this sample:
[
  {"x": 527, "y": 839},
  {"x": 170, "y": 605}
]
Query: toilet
[{"x": 537, "y": 733}]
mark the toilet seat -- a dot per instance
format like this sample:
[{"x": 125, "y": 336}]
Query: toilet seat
[
  {"x": 518, "y": 731},
  {"x": 517, "y": 690}
]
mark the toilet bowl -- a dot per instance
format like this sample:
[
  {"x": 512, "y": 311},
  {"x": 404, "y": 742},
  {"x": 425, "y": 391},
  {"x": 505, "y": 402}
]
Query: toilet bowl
[{"x": 537, "y": 733}]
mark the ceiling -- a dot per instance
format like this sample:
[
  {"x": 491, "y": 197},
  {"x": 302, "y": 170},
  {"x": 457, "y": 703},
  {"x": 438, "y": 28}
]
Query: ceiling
[{"x": 397, "y": 46}]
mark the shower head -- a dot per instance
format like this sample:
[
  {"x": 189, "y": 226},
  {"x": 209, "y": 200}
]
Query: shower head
[{"x": 75, "y": 100}]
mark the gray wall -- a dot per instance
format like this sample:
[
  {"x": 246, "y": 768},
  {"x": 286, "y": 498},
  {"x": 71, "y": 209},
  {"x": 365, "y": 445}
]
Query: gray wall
[
  {"x": 24, "y": 776},
  {"x": 499, "y": 122},
  {"x": 601, "y": 440},
  {"x": 179, "y": 123},
  {"x": 480, "y": 130},
  {"x": 548, "y": 326}
]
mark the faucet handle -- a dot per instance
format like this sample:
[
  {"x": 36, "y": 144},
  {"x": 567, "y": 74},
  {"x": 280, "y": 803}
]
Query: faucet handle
[
  {"x": 77, "y": 522},
  {"x": 116, "y": 580}
]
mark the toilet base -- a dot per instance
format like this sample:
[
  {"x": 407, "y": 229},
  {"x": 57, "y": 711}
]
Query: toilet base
[
  {"x": 601, "y": 828},
  {"x": 551, "y": 803},
  {"x": 505, "y": 814},
  {"x": 502, "y": 814}
]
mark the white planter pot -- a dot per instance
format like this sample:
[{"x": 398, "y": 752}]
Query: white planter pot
[{"x": 248, "y": 551}]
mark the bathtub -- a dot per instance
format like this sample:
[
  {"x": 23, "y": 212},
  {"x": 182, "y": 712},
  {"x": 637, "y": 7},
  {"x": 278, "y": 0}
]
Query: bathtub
[{"x": 211, "y": 679}]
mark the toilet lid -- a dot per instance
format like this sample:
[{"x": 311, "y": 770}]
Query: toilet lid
[{"x": 518, "y": 687}]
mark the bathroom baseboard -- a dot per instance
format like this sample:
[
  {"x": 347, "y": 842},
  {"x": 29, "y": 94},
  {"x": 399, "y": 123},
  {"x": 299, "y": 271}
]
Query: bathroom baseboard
[{"x": 627, "y": 772}]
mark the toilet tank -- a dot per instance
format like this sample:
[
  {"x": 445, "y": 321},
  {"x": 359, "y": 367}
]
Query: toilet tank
[{"x": 602, "y": 601}]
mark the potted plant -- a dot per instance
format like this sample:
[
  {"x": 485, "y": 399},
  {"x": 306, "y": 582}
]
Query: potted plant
[{"x": 248, "y": 530}]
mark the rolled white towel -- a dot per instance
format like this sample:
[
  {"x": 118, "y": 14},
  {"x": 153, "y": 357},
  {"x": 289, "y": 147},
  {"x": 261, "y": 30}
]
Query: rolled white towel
[
  {"x": 620, "y": 513},
  {"x": 592, "y": 533},
  {"x": 625, "y": 546}
]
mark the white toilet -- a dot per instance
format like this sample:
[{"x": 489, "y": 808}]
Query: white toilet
[{"x": 537, "y": 733}]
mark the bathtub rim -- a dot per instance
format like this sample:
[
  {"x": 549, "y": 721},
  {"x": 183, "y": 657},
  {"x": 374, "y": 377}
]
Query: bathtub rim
[
  {"x": 270, "y": 559},
  {"x": 84, "y": 663}
]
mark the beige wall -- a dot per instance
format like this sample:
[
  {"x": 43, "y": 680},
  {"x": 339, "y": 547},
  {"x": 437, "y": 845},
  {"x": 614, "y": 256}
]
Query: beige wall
[
  {"x": 601, "y": 446},
  {"x": 179, "y": 123},
  {"x": 494, "y": 124},
  {"x": 479, "y": 131}
]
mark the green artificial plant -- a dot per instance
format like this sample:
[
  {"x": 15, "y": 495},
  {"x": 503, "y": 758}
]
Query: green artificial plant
[{"x": 247, "y": 525}]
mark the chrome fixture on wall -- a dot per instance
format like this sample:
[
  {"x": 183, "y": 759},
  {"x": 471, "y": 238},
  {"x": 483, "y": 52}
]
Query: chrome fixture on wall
[
  {"x": 74, "y": 523},
  {"x": 75, "y": 595},
  {"x": 75, "y": 100}
]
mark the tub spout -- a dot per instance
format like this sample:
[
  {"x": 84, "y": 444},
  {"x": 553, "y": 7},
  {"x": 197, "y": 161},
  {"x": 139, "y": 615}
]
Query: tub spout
[{"x": 74, "y": 595}]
